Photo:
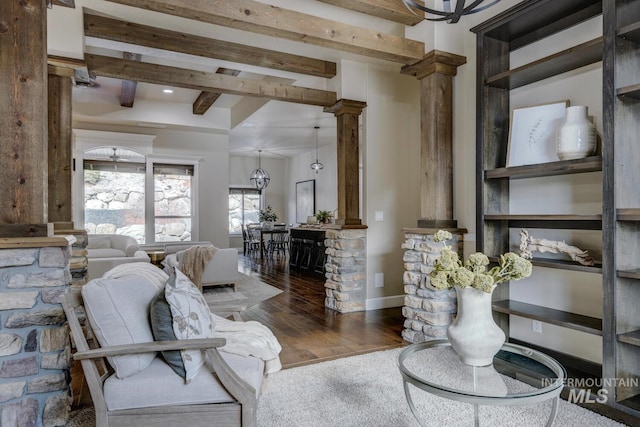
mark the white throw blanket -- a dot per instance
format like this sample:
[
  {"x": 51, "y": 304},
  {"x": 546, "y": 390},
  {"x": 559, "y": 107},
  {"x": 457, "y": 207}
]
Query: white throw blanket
[
  {"x": 243, "y": 338},
  {"x": 249, "y": 339}
]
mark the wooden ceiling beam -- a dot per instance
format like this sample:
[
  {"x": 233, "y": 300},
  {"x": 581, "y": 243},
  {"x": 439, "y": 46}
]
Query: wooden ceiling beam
[
  {"x": 128, "y": 91},
  {"x": 391, "y": 10},
  {"x": 200, "y": 80},
  {"x": 261, "y": 18},
  {"x": 65, "y": 3},
  {"x": 206, "y": 99},
  {"x": 126, "y": 32}
]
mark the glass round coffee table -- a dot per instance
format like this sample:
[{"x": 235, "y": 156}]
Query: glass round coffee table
[{"x": 434, "y": 367}]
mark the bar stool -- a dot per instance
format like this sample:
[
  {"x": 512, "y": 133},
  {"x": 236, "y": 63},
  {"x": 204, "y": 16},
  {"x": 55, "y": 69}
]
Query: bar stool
[
  {"x": 295, "y": 252},
  {"x": 320, "y": 257},
  {"x": 308, "y": 251}
]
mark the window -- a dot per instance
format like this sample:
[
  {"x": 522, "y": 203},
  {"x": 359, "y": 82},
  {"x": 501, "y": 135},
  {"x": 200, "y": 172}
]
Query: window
[
  {"x": 244, "y": 207},
  {"x": 114, "y": 188},
  {"x": 146, "y": 197},
  {"x": 172, "y": 203}
]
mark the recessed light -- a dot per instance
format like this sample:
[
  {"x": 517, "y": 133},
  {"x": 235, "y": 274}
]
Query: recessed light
[{"x": 167, "y": 90}]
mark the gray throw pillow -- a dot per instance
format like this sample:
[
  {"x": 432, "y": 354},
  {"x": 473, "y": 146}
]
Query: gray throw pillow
[{"x": 162, "y": 328}]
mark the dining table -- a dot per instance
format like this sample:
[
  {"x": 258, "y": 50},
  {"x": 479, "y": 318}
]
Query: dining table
[{"x": 271, "y": 232}]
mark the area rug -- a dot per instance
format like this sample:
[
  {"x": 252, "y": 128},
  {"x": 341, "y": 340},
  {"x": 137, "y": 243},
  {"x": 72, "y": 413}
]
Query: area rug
[
  {"x": 250, "y": 291},
  {"x": 367, "y": 390}
]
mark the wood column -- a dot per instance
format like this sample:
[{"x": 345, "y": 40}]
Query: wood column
[
  {"x": 60, "y": 146},
  {"x": 347, "y": 113},
  {"x": 23, "y": 117},
  {"x": 436, "y": 72}
]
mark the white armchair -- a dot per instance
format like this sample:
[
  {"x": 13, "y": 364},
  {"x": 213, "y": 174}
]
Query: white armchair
[{"x": 105, "y": 251}]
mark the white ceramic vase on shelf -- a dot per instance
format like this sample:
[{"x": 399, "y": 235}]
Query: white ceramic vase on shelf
[
  {"x": 576, "y": 136},
  {"x": 474, "y": 335}
]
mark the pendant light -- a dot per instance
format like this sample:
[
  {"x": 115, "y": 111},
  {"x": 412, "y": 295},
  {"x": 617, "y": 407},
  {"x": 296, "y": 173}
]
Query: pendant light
[
  {"x": 447, "y": 12},
  {"x": 260, "y": 177},
  {"x": 316, "y": 166}
]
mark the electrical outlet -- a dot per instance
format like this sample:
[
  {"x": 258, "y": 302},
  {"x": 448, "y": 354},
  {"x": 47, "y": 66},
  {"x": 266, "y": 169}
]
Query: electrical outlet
[
  {"x": 536, "y": 325},
  {"x": 379, "y": 280}
]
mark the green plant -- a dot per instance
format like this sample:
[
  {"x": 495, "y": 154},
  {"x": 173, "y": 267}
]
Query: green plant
[
  {"x": 450, "y": 271},
  {"x": 323, "y": 216},
  {"x": 267, "y": 214}
]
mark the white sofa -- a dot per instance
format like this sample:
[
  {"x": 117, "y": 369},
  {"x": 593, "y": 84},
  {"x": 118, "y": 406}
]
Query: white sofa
[
  {"x": 221, "y": 270},
  {"x": 105, "y": 251}
]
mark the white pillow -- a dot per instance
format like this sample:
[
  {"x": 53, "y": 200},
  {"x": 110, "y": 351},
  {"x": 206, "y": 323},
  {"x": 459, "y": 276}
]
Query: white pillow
[
  {"x": 118, "y": 311},
  {"x": 191, "y": 318}
]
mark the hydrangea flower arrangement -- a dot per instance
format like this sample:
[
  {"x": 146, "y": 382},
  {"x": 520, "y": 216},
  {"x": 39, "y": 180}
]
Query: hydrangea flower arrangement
[{"x": 451, "y": 271}]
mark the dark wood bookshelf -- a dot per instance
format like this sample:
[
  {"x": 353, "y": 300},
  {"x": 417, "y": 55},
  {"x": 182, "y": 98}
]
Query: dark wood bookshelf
[
  {"x": 629, "y": 274},
  {"x": 563, "y": 167},
  {"x": 519, "y": 27},
  {"x": 630, "y": 32},
  {"x": 567, "y": 222},
  {"x": 578, "y": 322},
  {"x": 632, "y": 338},
  {"x": 558, "y": 63},
  {"x": 628, "y": 214},
  {"x": 632, "y": 91},
  {"x": 559, "y": 264}
]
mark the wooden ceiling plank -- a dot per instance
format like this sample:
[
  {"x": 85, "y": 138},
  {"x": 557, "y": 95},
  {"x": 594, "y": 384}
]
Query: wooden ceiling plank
[
  {"x": 206, "y": 99},
  {"x": 391, "y": 10},
  {"x": 128, "y": 91},
  {"x": 172, "y": 76},
  {"x": 126, "y": 32},
  {"x": 256, "y": 17}
]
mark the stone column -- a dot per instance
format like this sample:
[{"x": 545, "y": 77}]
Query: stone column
[
  {"x": 347, "y": 113},
  {"x": 35, "y": 351},
  {"x": 436, "y": 72},
  {"x": 428, "y": 311},
  {"x": 346, "y": 268}
]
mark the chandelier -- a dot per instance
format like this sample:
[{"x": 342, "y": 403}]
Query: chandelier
[
  {"x": 259, "y": 178},
  {"x": 316, "y": 166},
  {"x": 447, "y": 13}
]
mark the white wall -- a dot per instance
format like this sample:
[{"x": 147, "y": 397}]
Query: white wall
[{"x": 391, "y": 177}]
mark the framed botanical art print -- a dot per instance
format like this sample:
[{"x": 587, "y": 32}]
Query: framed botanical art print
[{"x": 532, "y": 134}]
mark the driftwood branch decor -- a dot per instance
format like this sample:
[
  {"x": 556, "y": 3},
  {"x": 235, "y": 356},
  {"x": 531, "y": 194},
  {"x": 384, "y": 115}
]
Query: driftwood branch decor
[{"x": 529, "y": 245}]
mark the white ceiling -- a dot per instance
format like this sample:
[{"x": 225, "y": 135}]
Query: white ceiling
[{"x": 278, "y": 128}]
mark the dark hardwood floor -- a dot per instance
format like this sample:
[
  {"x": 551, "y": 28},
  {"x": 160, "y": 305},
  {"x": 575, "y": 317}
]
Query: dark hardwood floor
[{"x": 307, "y": 331}]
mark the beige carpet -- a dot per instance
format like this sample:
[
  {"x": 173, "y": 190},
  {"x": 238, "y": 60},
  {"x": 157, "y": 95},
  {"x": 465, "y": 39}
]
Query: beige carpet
[
  {"x": 366, "y": 391},
  {"x": 250, "y": 291}
]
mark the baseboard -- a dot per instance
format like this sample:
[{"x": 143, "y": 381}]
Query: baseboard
[{"x": 384, "y": 302}]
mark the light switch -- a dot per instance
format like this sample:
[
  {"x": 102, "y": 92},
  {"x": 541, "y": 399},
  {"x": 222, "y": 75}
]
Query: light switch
[{"x": 379, "y": 216}]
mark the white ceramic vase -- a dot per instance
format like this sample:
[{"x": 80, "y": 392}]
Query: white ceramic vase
[
  {"x": 474, "y": 335},
  {"x": 576, "y": 136}
]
